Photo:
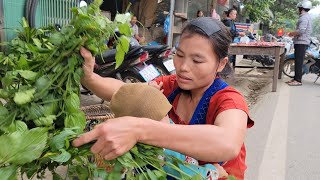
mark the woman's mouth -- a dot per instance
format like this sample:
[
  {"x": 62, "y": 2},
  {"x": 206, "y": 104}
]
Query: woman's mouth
[{"x": 183, "y": 78}]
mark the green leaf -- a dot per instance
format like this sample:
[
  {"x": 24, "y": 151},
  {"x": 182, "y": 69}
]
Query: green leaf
[
  {"x": 24, "y": 97},
  {"x": 61, "y": 158},
  {"x": 126, "y": 160},
  {"x": 21, "y": 126},
  {"x": 35, "y": 111},
  {"x": 232, "y": 178},
  {"x": 151, "y": 175},
  {"x": 101, "y": 173},
  {"x": 56, "y": 176},
  {"x": 125, "y": 29},
  {"x": 122, "y": 48},
  {"x": 30, "y": 169},
  {"x": 9, "y": 173},
  {"x": 159, "y": 174},
  {"x": 29, "y": 75},
  {"x": 123, "y": 18},
  {"x": 77, "y": 75},
  {"x": 17, "y": 126},
  {"x": 23, "y": 63},
  {"x": 25, "y": 23},
  {"x": 72, "y": 103},
  {"x": 37, "y": 42},
  {"x": 56, "y": 38},
  {"x": 42, "y": 83},
  {"x": 75, "y": 120},
  {"x": 45, "y": 121},
  {"x": 9, "y": 78},
  {"x": 58, "y": 141},
  {"x": 5, "y": 119},
  {"x": 23, "y": 147},
  {"x": 78, "y": 171},
  {"x": 4, "y": 94},
  {"x": 50, "y": 108}
]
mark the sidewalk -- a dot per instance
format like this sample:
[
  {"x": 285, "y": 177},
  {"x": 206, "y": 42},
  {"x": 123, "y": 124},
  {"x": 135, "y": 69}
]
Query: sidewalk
[{"x": 284, "y": 143}]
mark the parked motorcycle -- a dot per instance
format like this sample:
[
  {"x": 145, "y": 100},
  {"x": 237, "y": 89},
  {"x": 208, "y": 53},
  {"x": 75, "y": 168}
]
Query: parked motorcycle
[
  {"x": 161, "y": 58},
  {"x": 311, "y": 63},
  {"x": 288, "y": 44},
  {"x": 105, "y": 65}
]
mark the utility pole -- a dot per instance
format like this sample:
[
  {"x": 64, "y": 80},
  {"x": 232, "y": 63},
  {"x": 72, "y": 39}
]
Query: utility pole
[{"x": 181, "y": 6}]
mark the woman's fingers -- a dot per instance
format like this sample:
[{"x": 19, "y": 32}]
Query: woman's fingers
[
  {"x": 86, "y": 54},
  {"x": 156, "y": 85},
  {"x": 112, "y": 155},
  {"x": 89, "y": 62},
  {"x": 98, "y": 147},
  {"x": 114, "y": 137},
  {"x": 86, "y": 138}
]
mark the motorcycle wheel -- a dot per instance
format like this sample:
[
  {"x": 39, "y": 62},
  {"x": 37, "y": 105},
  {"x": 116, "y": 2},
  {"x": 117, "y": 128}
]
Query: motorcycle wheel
[
  {"x": 288, "y": 68},
  {"x": 129, "y": 77},
  {"x": 161, "y": 70}
]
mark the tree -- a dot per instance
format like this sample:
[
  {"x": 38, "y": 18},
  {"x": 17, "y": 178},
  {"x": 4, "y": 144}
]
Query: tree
[
  {"x": 258, "y": 10},
  {"x": 316, "y": 26},
  {"x": 284, "y": 12}
]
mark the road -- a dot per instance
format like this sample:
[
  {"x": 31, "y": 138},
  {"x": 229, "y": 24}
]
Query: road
[{"x": 284, "y": 144}]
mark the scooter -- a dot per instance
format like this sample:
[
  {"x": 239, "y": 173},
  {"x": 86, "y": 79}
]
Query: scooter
[
  {"x": 311, "y": 63},
  {"x": 161, "y": 58}
]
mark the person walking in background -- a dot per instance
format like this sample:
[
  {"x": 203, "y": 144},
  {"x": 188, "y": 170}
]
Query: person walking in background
[
  {"x": 229, "y": 22},
  {"x": 301, "y": 40}
]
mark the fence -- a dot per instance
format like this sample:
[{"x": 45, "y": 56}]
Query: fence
[
  {"x": 38, "y": 12},
  {"x": 54, "y": 12}
]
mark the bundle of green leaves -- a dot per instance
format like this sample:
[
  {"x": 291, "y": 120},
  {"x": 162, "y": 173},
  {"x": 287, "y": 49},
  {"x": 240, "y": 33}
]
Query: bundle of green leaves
[{"x": 40, "y": 74}]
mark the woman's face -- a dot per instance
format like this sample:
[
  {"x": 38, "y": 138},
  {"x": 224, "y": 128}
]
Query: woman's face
[
  {"x": 233, "y": 15},
  {"x": 133, "y": 20},
  {"x": 195, "y": 62},
  {"x": 200, "y": 14}
]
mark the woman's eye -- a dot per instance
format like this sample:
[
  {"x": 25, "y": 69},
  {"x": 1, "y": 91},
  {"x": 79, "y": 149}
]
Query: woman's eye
[
  {"x": 179, "y": 55},
  {"x": 197, "y": 62}
]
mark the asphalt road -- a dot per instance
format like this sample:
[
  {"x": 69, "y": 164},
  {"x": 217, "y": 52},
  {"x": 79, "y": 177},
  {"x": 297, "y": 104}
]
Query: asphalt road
[{"x": 284, "y": 144}]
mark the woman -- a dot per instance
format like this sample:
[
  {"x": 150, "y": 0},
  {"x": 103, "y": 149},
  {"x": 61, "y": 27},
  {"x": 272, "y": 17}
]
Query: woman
[
  {"x": 200, "y": 13},
  {"x": 218, "y": 113},
  {"x": 229, "y": 22},
  {"x": 135, "y": 30}
]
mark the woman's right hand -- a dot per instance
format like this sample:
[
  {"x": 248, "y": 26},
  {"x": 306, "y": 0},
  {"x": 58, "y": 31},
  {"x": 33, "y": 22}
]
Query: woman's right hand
[{"x": 88, "y": 64}]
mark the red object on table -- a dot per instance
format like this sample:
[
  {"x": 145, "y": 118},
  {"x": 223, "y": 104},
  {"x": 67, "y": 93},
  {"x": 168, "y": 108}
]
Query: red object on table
[{"x": 259, "y": 44}]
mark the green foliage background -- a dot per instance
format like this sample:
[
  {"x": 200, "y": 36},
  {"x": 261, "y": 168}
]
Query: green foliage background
[{"x": 284, "y": 12}]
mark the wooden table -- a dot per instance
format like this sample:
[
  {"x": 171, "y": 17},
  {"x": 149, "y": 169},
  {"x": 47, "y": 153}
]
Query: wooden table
[{"x": 275, "y": 51}]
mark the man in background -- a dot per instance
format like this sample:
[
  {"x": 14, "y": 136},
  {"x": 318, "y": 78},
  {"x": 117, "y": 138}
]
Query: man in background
[{"x": 301, "y": 40}]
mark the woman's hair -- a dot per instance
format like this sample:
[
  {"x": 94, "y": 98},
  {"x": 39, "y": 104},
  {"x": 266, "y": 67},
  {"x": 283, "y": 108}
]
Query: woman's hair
[
  {"x": 220, "y": 41},
  {"x": 230, "y": 10}
]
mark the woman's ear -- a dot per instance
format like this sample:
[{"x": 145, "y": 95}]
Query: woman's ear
[{"x": 222, "y": 64}]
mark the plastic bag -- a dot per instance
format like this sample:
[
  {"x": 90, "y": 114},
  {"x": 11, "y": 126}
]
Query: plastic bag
[
  {"x": 245, "y": 39},
  {"x": 166, "y": 25}
]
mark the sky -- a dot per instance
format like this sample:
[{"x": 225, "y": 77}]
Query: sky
[{"x": 315, "y": 11}]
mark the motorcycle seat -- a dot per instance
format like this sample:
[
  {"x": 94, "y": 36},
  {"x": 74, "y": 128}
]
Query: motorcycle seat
[
  {"x": 106, "y": 57},
  {"x": 154, "y": 49}
]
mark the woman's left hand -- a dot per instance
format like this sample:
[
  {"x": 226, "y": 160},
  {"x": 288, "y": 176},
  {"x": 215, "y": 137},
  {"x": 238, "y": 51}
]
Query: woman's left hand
[{"x": 114, "y": 137}]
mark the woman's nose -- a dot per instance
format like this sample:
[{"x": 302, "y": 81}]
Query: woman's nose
[{"x": 184, "y": 66}]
